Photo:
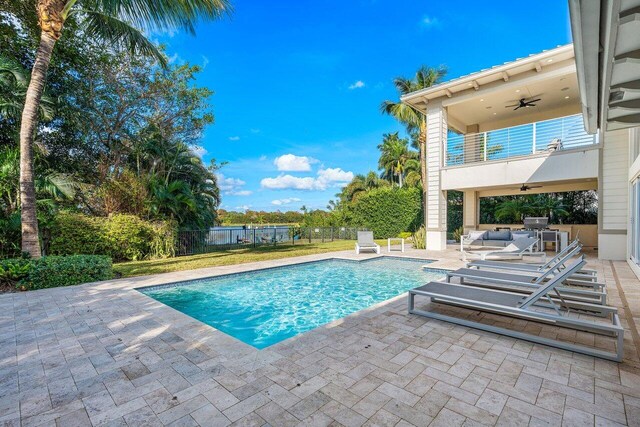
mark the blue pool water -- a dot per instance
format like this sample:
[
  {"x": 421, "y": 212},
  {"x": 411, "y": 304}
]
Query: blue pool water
[{"x": 264, "y": 307}]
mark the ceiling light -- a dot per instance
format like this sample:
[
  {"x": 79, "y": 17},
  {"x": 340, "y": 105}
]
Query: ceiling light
[
  {"x": 481, "y": 100},
  {"x": 495, "y": 114},
  {"x": 566, "y": 97},
  {"x": 549, "y": 60},
  {"x": 517, "y": 90},
  {"x": 469, "y": 84}
]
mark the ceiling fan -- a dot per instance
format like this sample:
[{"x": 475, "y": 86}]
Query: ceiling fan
[
  {"x": 526, "y": 187},
  {"x": 523, "y": 103}
]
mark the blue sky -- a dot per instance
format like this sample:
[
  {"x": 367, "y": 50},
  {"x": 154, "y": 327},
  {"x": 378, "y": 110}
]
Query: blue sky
[{"x": 298, "y": 84}]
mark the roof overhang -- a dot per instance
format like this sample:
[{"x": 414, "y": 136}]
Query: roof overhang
[
  {"x": 607, "y": 48},
  {"x": 508, "y": 72}
]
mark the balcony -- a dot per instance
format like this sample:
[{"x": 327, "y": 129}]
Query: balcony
[{"x": 539, "y": 138}]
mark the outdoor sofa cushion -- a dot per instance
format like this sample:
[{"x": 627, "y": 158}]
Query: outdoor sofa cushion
[{"x": 498, "y": 235}]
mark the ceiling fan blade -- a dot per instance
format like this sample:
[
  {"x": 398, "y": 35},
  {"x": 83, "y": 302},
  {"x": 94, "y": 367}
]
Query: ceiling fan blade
[
  {"x": 519, "y": 106},
  {"x": 535, "y": 100},
  {"x": 514, "y": 105}
]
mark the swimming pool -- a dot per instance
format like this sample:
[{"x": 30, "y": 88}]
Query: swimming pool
[{"x": 264, "y": 307}]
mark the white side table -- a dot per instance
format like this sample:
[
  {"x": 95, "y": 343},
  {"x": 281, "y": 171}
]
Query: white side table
[{"x": 395, "y": 238}]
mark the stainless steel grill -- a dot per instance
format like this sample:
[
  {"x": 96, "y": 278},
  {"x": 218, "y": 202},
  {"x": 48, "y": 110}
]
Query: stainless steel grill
[{"x": 536, "y": 222}]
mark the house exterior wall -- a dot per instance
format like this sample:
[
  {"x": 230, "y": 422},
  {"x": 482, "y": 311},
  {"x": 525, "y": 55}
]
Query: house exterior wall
[
  {"x": 613, "y": 195},
  {"x": 555, "y": 167},
  {"x": 436, "y": 206}
]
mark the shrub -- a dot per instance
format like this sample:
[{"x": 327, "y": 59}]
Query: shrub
[
  {"x": 120, "y": 236},
  {"x": 420, "y": 239},
  {"x": 388, "y": 211},
  {"x": 128, "y": 237},
  {"x": 13, "y": 271},
  {"x": 73, "y": 233},
  {"x": 457, "y": 234},
  {"x": 55, "y": 271}
]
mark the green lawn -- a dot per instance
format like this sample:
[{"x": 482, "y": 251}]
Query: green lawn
[{"x": 236, "y": 256}]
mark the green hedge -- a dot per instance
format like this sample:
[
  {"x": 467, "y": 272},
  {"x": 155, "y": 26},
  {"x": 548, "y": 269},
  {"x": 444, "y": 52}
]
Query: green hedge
[
  {"x": 122, "y": 237},
  {"x": 55, "y": 271},
  {"x": 388, "y": 211}
]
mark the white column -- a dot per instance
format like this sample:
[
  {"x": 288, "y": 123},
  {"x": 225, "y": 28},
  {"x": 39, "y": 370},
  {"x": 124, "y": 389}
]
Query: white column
[
  {"x": 470, "y": 210},
  {"x": 613, "y": 194},
  {"x": 436, "y": 203}
]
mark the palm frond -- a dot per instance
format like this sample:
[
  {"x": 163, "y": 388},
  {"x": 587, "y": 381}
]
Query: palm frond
[
  {"x": 121, "y": 34},
  {"x": 152, "y": 15}
]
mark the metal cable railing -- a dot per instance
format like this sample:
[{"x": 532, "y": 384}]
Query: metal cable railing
[{"x": 523, "y": 140}]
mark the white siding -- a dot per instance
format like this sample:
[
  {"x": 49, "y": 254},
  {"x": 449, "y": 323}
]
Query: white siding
[
  {"x": 436, "y": 140},
  {"x": 614, "y": 186}
]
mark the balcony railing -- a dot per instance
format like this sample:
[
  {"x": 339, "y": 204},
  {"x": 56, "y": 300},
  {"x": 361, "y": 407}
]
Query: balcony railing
[{"x": 524, "y": 140}]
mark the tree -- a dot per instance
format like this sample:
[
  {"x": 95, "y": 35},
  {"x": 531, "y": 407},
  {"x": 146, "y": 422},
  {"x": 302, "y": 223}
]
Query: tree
[
  {"x": 413, "y": 119},
  {"x": 395, "y": 157},
  {"x": 360, "y": 184},
  {"x": 512, "y": 210},
  {"x": 120, "y": 23}
]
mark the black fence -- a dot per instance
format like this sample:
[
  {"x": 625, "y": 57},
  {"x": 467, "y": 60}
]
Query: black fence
[{"x": 194, "y": 242}]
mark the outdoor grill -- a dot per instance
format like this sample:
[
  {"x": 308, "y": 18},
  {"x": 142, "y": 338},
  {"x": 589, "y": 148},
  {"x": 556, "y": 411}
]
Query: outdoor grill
[{"x": 536, "y": 222}]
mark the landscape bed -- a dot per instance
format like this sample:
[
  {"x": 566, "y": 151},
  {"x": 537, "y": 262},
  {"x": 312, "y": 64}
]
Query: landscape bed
[{"x": 264, "y": 307}]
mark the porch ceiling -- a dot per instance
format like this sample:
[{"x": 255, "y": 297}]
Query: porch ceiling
[
  {"x": 546, "y": 187},
  {"x": 558, "y": 96}
]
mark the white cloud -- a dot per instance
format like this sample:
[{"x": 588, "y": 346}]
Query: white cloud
[
  {"x": 228, "y": 184},
  {"x": 356, "y": 85},
  {"x": 326, "y": 178},
  {"x": 293, "y": 163},
  {"x": 242, "y": 193},
  {"x": 429, "y": 21},
  {"x": 255, "y": 130},
  {"x": 243, "y": 207},
  {"x": 234, "y": 138},
  {"x": 280, "y": 202},
  {"x": 284, "y": 182},
  {"x": 334, "y": 175},
  {"x": 263, "y": 158},
  {"x": 197, "y": 150},
  {"x": 205, "y": 61}
]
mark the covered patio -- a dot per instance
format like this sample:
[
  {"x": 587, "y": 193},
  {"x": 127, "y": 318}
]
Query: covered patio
[{"x": 105, "y": 354}]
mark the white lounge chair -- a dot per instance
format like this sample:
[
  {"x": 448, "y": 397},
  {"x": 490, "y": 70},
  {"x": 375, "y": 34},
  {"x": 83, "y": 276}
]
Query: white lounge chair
[
  {"x": 515, "y": 250},
  {"x": 366, "y": 242},
  {"x": 523, "y": 307},
  {"x": 559, "y": 259}
]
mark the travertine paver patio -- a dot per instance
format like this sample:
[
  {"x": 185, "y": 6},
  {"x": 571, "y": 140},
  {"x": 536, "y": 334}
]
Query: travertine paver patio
[{"x": 104, "y": 354}]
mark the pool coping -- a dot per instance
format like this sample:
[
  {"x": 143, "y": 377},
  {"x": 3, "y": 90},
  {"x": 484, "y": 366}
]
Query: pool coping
[
  {"x": 186, "y": 282},
  {"x": 333, "y": 323}
]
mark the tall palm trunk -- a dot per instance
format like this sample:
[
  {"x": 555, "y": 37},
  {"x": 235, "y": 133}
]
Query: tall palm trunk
[{"x": 50, "y": 19}]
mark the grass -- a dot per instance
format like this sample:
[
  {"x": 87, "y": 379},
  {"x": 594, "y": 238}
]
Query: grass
[{"x": 230, "y": 257}]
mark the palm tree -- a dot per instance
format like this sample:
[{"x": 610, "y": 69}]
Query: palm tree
[
  {"x": 13, "y": 89},
  {"x": 361, "y": 184},
  {"x": 118, "y": 22},
  {"x": 413, "y": 119},
  {"x": 394, "y": 156},
  {"x": 512, "y": 210}
]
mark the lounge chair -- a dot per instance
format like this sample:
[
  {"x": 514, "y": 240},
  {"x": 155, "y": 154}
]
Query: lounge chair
[
  {"x": 515, "y": 250},
  {"x": 366, "y": 242},
  {"x": 532, "y": 267},
  {"x": 573, "y": 292},
  {"x": 523, "y": 308}
]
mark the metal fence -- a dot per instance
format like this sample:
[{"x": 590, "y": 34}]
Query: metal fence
[{"x": 194, "y": 242}]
